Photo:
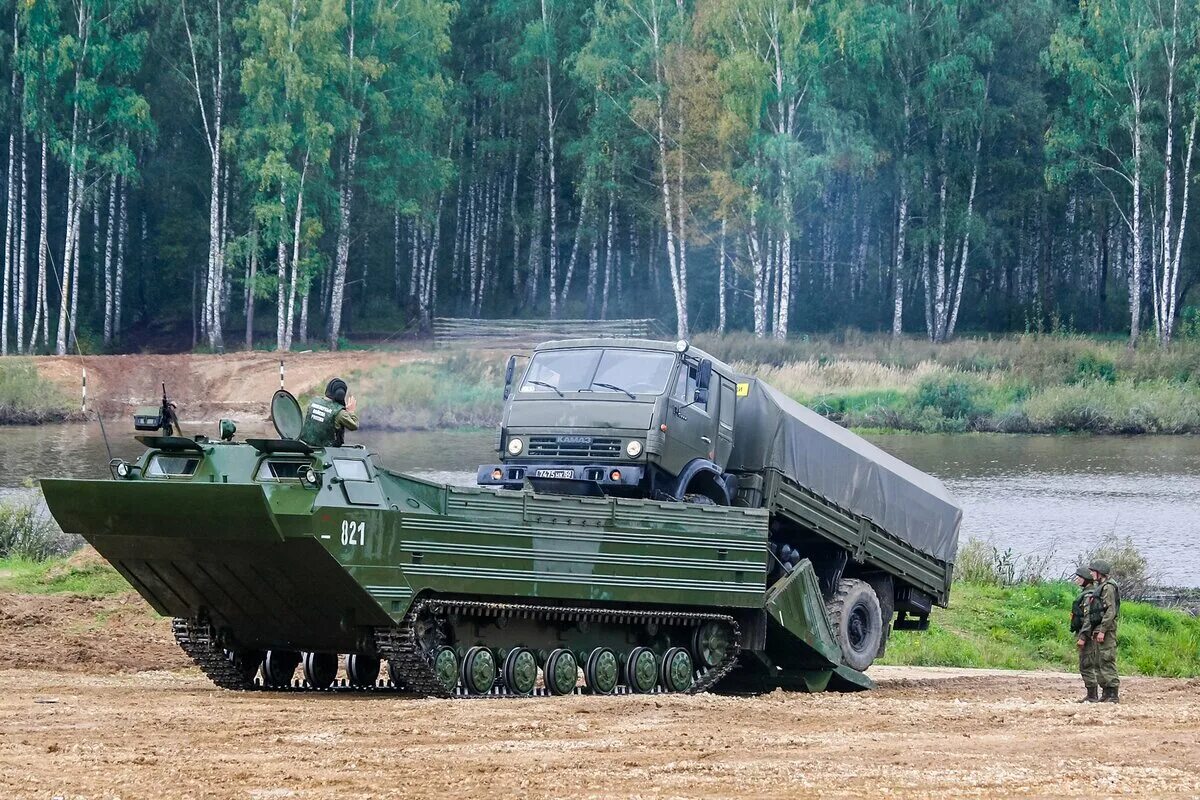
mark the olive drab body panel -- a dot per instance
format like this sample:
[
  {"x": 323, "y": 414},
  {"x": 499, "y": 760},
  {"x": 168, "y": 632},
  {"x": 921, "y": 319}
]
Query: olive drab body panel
[
  {"x": 320, "y": 427},
  {"x": 274, "y": 556}
]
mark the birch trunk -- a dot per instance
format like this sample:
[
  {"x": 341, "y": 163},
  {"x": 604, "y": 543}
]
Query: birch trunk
[
  {"x": 342, "y": 256},
  {"x": 122, "y": 237},
  {"x": 10, "y": 202},
  {"x": 251, "y": 278},
  {"x": 281, "y": 285},
  {"x": 22, "y": 277},
  {"x": 39, "y": 316},
  {"x": 581, "y": 223},
  {"x": 109, "y": 284},
  {"x": 553, "y": 187},
  {"x": 1135, "y": 227},
  {"x": 721, "y": 282},
  {"x": 608, "y": 254}
]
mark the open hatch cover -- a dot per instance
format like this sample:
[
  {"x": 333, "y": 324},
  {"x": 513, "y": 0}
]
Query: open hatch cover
[{"x": 286, "y": 414}]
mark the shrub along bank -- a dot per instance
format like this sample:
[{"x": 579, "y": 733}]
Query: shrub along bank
[
  {"x": 26, "y": 398},
  {"x": 1020, "y": 384}
]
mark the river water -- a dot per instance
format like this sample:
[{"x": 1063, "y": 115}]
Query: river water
[{"x": 1041, "y": 496}]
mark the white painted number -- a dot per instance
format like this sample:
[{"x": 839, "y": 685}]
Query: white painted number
[{"x": 354, "y": 532}]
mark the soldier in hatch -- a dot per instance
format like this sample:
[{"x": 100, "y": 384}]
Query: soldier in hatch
[
  {"x": 329, "y": 417},
  {"x": 1085, "y": 616},
  {"x": 1108, "y": 595}
]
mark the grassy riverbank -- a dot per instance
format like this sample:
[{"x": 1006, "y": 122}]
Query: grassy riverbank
[
  {"x": 1025, "y": 627},
  {"x": 1029, "y": 384},
  {"x": 1020, "y": 384},
  {"x": 26, "y": 398},
  {"x": 1033, "y": 383}
]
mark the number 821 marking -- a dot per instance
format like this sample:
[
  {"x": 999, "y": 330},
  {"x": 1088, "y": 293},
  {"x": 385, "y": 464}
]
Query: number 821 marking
[{"x": 354, "y": 533}]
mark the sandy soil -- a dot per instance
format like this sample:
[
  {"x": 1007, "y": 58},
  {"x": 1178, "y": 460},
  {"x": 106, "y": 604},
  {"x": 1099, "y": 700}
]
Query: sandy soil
[
  {"x": 206, "y": 387},
  {"x": 161, "y": 734},
  {"x": 78, "y": 720}
]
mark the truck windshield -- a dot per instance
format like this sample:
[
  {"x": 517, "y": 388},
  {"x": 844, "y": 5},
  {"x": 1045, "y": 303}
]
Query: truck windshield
[{"x": 629, "y": 371}]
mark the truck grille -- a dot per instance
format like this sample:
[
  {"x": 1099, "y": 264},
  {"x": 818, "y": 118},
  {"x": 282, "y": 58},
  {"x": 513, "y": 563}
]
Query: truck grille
[{"x": 574, "y": 447}]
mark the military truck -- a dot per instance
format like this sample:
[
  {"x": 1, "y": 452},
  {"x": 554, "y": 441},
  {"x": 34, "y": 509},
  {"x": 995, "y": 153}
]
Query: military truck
[{"x": 660, "y": 420}]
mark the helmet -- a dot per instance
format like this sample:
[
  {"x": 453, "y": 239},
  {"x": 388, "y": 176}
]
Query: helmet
[
  {"x": 1103, "y": 567},
  {"x": 336, "y": 390},
  {"x": 1082, "y": 572}
]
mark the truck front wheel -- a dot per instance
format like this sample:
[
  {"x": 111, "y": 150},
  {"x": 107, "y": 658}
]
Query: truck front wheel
[{"x": 857, "y": 622}]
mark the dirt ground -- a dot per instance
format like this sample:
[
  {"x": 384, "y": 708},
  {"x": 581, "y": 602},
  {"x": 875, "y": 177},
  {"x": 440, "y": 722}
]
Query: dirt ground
[
  {"x": 77, "y": 721},
  {"x": 170, "y": 735},
  {"x": 206, "y": 387}
]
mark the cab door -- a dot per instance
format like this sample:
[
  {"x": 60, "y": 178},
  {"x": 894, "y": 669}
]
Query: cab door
[
  {"x": 728, "y": 402},
  {"x": 690, "y": 433}
]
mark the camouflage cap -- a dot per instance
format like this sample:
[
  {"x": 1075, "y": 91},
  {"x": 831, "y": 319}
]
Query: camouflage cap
[
  {"x": 1082, "y": 572},
  {"x": 1103, "y": 567}
]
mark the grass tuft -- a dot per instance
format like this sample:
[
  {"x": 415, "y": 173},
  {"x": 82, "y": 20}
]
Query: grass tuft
[{"x": 26, "y": 398}]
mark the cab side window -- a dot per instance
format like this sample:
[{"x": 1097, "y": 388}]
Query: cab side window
[
  {"x": 685, "y": 386},
  {"x": 727, "y": 401}
]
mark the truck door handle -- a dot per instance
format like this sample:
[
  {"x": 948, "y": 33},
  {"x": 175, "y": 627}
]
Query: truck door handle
[{"x": 706, "y": 440}]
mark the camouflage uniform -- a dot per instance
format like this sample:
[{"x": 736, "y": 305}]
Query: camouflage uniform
[
  {"x": 1084, "y": 616},
  {"x": 325, "y": 423},
  {"x": 1108, "y": 594}
]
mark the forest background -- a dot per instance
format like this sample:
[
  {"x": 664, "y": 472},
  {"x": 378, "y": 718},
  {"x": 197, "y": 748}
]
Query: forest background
[{"x": 213, "y": 174}]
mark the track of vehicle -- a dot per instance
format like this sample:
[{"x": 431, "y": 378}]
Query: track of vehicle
[{"x": 411, "y": 666}]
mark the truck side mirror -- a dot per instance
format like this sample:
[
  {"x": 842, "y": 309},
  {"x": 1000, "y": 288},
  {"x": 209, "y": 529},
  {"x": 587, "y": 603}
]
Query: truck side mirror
[
  {"x": 703, "y": 379},
  {"x": 508, "y": 375}
]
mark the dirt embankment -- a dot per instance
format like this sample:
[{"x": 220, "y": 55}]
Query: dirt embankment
[
  {"x": 206, "y": 387},
  {"x": 78, "y": 723}
]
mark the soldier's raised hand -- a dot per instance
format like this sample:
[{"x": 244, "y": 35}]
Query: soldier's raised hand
[{"x": 351, "y": 403}]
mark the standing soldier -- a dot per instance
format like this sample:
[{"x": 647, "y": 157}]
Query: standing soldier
[
  {"x": 1085, "y": 615},
  {"x": 1108, "y": 596},
  {"x": 329, "y": 417}
]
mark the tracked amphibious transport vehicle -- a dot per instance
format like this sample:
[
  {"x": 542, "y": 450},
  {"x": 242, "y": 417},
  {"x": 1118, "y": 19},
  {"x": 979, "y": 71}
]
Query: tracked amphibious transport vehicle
[{"x": 271, "y": 555}]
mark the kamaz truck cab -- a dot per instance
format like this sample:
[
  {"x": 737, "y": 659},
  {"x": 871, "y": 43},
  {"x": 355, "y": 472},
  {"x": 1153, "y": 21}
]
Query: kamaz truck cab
[{"x": 624, "y": 417}]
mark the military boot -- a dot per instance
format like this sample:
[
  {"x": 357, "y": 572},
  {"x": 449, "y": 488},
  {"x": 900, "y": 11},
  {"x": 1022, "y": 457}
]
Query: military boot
[
  {"x": 1110, "y": 695},
  {"x": 1093, "y": 695}
]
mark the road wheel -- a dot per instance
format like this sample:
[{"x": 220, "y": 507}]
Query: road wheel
[{"x": 857, "y": 622}]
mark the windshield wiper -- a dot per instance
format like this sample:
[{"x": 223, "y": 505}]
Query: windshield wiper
[
  {"x": 632, "y": 396},
  {"x": 548, "y": 386}
]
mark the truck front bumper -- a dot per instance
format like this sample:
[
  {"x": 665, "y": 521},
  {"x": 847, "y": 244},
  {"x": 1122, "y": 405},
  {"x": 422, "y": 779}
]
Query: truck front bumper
[{"x": 512, "y": 476}]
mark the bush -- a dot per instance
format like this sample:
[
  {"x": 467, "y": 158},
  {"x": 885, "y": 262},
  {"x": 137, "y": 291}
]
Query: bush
[
  {"x": 26, "y": 398},
  {"x": 952, "y": 397},
  {"x": 979, "y": 562},
  {"x": 1130, "y": 569},
  {"x": 28, "y": 532}
]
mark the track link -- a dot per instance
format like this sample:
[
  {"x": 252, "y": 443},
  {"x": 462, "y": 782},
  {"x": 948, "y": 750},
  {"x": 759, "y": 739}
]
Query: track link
[
  {"x": 400, "y": 646},
  {"x": 198, "y": 640}
]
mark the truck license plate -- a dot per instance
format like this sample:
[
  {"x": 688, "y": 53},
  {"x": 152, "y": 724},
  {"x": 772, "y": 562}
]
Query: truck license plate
[{"x": 555, "y": 473}]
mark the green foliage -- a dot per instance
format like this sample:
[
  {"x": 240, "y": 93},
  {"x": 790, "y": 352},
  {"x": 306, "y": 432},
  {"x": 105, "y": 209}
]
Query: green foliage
[
  {"x": 26, "y": 398},
  {"x": 460, "y": 391},
  {"x": 1130, "y": 569},
  {"x": 1025, "y": 627},
  {"x": 29, "y": 533},
  {"x": 954, "y": 398},
  {"x": 61, "y": 575}
]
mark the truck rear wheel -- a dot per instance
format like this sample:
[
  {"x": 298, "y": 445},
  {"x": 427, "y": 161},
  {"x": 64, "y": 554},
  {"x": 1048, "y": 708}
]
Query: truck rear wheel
[{"x": 857, "y": 622}]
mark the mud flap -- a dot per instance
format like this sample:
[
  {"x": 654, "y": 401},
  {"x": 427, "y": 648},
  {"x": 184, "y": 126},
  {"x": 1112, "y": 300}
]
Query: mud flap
[{"x": 810, "y": 651}]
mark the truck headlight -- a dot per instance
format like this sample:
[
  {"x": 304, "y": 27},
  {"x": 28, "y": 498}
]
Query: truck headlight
[
  {"x": 515, "y": 446},
  {"x": 633, "y": 449},
  {"x": 122, "y": 469}
]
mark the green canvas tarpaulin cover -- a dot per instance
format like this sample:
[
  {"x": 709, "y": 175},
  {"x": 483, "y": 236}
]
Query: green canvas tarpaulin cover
[{"x": 776, "y": 432}]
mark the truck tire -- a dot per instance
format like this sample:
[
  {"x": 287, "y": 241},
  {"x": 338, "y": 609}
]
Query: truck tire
[{"x": 857, "y": 622}]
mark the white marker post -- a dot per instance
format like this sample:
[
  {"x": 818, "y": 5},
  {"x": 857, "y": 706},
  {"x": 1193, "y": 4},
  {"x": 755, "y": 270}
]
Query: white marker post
[
  {"x": 281, "y": 373},
  {"x": 83, "y": 402}
]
